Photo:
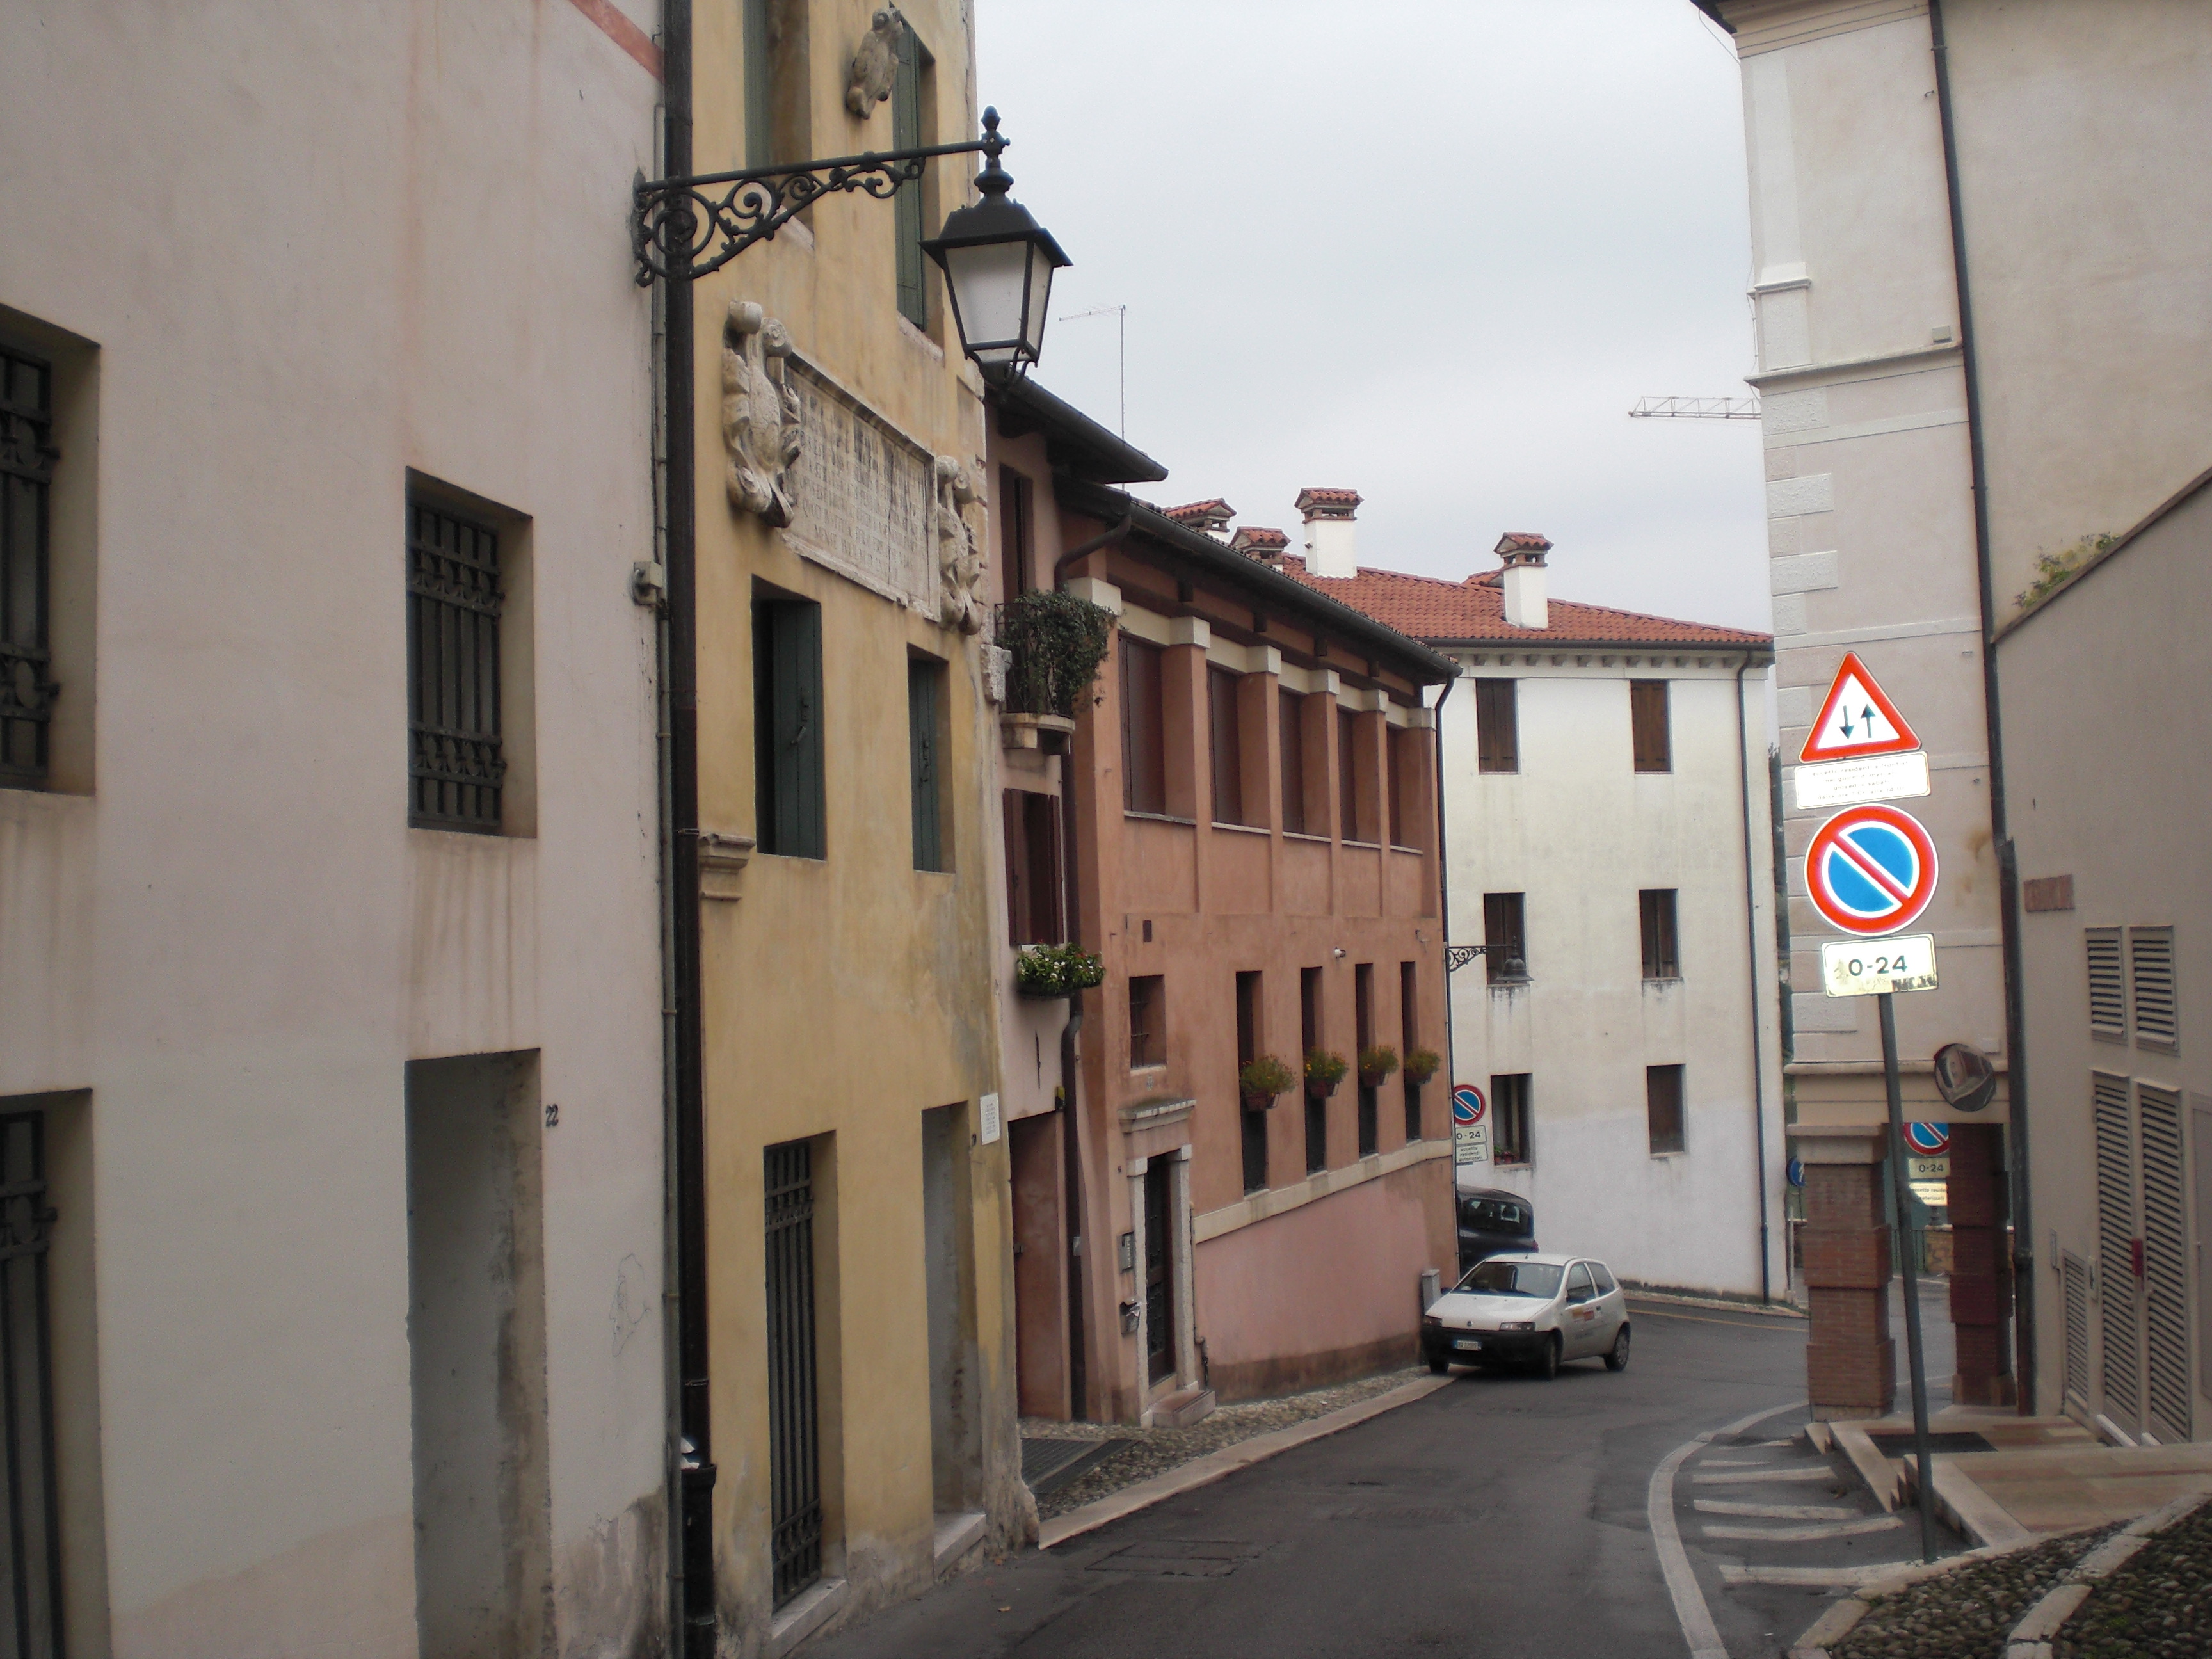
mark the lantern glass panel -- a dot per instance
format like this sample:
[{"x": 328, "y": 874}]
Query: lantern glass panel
[
  {"x": 989, "y": 287},
  {"x": 1040, "y": 299}
]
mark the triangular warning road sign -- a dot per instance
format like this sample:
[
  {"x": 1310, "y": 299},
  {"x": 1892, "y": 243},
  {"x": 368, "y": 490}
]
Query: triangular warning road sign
[{"x": 1856, "y": 719}]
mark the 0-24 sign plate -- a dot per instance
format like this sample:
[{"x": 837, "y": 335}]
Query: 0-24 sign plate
[{"x": 1866, "y": 968}]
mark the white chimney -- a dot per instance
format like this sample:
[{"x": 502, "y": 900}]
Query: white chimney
[
  {"x": 1522, "y": 582},
  {"x": 1327, "y": 513}
]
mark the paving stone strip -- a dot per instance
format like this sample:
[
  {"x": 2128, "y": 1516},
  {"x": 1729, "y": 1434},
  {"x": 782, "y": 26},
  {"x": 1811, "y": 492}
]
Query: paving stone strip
[
  {"x": 1967, "y": 1612},
  {"x": 2157, "y": 1605},
  {"x": 1158, "y": 1451}
]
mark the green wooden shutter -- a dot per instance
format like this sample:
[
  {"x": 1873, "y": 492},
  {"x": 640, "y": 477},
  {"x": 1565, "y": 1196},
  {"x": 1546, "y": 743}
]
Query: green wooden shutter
[
  {"x": 906, "y": 134},
  {"x": 923, "y": 679},
  {"x": 789, "y": 764},
  {"x": 760, "y": 86}
]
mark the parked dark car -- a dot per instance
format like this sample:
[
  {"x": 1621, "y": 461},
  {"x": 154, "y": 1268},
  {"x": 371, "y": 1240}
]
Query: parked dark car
[{"x": 1493, "y": 1222}]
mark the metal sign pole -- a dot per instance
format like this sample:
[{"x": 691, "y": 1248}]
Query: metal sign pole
[{"x": 1916, "y": 1357}]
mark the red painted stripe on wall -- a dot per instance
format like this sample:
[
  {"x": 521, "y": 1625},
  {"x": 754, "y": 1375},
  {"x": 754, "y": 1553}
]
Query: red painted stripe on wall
[{"x": 618, "y": 28}]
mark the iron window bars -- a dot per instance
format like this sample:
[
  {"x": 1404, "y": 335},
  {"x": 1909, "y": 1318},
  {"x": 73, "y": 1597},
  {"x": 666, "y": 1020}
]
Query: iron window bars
[
  {"x": 455, "y": 766},
  {"x": 794, "y": 1432},
  {"x": 27, "y": 472},
  {"x": 31, "y": 1558}
]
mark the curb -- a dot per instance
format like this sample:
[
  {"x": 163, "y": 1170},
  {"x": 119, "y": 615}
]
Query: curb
[
  {"x": 1839, "y": 1620},
  {"x": 1205, "y": 1471},
  {"x": 1679, "y": 1298},
  {"x": 2030, "y": 1638}
]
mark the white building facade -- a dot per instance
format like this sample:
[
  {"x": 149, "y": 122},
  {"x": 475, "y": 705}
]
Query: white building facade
[
  {"x": 330, "y": 1032},
  {"x": 1608, "y": 843}
]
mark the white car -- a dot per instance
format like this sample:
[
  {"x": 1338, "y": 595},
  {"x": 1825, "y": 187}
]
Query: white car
[{"x": 1534, "y": 1310}]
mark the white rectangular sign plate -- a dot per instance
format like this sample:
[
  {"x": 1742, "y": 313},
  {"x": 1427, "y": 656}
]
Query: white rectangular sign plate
[
  {"x": 1470, "y": 1143},
  {"x": 992, "y": 1118},
  {"x": 1928, "y": 1169},
  {"x": 1865, "y": 967},
  {"x": 1854, "y": 782}
]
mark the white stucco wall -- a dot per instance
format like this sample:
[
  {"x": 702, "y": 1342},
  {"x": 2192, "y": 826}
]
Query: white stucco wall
[
  {"x": 1581, "y": 832},
  {"x": 312, "y": 248}
]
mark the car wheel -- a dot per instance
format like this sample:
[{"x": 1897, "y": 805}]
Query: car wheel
[
  {"x": 1547, "y": 1358},
  {"x": 1616, "y": 1357},
  {"x": 1439, "y": 1367}
]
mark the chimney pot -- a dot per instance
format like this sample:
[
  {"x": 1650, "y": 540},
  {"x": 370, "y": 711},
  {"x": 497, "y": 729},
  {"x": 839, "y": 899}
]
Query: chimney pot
[
  {"x": 1329, "y": 514},
  {"x": 1522, "y": 552}
]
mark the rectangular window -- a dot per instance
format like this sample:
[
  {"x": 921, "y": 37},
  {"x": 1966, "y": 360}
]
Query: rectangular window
[
  {"x": 1033, "y": 878},
  {"x": 778, "y": 123},
  {"x": 1394, "y": 783},
  {"x": 1148, "y": 1021},
  {"x": 1647, "y": 720},
  {"x": 2150, "y": 972},
  {"x": 1249, "y": 1039},
  {"x": 455, "y": 766},
  {"x": 1497, "y": 726},
  {"x": 1662, "y": 1107},
  {"x": 1310, "y": 1028},
  {"x": 1348, "y": 776},
  {"x": 1509, "y": 1138},
  {"x": 1409, "y": 1038},
  {"x": 794, "y": 1430},
  {"x": 1293, "y": 741},
  {"x": 2108, "y": 996},
  {"x": 1662, "y": 960},
  {"x": 1505, "y": 947},
  {"x": 788, "y": 781},
  {"x": 907, "y": 84},
  {"x": 1227, "y": 745},
  {"x": 27, "y": 472},
  {"x": 1363, "y": 1021},
  {"x": 926, "y": 723},
  {"x": 1144, "y": 729},
  {"x": 1017, "y": 506}
]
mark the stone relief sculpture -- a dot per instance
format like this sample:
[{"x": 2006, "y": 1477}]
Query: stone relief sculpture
[
  {"x": 761, "y": 418},
  {"x": 875, "y": 64},
  {"x": 959, "y": 561}
]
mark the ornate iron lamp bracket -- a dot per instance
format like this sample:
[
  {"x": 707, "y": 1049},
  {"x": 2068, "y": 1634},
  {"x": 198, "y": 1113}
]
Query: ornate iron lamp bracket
[
  {"x": 1456, "y": 956},
  {"x": 692, "y": 226}
]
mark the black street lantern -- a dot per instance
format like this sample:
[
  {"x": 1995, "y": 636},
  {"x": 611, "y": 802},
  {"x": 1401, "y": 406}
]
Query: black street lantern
[{"x": 998, "y": 263}]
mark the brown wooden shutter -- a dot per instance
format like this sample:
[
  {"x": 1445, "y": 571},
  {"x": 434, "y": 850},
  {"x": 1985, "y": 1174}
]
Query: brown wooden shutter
[
  {"x": 1497, "y": 726},
  {"x": 1293, "y": 745},
  {"x": 1227, "y": 745},
  {"x": 1648, "y": 724},
  {"x": 1144, "y": 736}
]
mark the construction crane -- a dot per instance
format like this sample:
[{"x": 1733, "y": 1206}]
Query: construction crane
[{"x": 1695, "y": 409}]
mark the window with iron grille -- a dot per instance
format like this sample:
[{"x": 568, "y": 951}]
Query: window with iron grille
[
  {"x": 2108, "y": 996},
  {"x": 794, "y": 1437},
  {"x": 1497, "y": 726},
  {"x": 1504, "y": 937},
  {"x": 27, "y": 473},
  {"x": 1648, "y": 724},
  {"x": 2150, "y": 971},
  {"x": 1662, "y": 1105},
  {"x": 1662, "y": 956},
  {"x": 456, "y": 765},
  {"x": 32, "y": 1565},
  {"x": 924, "y": 710}
]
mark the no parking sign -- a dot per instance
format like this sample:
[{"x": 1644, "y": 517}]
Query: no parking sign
[
  {"x": 1470, "y": 1125},
  {"x": 1871, "y": 870}
]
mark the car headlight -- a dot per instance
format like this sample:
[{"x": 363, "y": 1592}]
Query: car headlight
[
  {"x": 1518, "y": 1325},
  {"x": 1432, "y": 1322}
]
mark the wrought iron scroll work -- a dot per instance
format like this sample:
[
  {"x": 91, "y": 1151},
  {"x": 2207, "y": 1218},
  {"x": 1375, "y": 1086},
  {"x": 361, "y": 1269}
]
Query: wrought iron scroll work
[
  {"x": 1456, "y": 956},
  {"x": 676, "y": 221}
]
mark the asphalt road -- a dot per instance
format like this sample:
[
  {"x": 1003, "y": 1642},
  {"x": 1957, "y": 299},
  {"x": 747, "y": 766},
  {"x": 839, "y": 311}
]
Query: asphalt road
[{"x": 1499, "y": 1518}]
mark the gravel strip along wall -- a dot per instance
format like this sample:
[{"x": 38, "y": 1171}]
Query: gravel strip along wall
[
  {"x": 1967, "y": 1614},
  {"x": 2159, "y": 1605},
  {"x": 1158, "y": 1450}
]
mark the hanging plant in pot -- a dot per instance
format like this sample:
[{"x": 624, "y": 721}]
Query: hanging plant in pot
[
  {"x": 1325, "y": 1069},
  {"x": 1421, "y": 1065},
  {"x": 1056, "y": 970},
  {"x": 1262, "y": 1080},
  {"x": 1377, "y": 1063}
]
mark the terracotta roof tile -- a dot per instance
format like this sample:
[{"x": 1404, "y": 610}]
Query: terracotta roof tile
[
  {"x": 1258, "y": 540},
  {"x": 1430, "y": 608},
  {"x": 1514, "y": 539},
  {"x": 1310, "y": 499}
]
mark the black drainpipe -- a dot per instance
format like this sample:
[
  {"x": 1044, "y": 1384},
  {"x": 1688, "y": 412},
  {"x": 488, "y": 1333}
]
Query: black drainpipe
[
  {"x": 2000, "y": 823},
  {"x": 1443, "y": 929},
  {"x": 1751, "y": 937},
  {"x": 692, "y": 1453}
]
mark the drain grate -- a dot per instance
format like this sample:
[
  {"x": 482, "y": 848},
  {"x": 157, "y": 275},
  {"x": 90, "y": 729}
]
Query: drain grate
[
  {"x": 1048, "y": 1464},
  {"x": 1179, "y": 1558},
  {"x": 1898, "y": 1443}
]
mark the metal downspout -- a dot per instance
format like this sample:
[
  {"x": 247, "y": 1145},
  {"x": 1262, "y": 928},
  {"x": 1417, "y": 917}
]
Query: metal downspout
[
  {"x": 693, "y": 1452},
  {"x": 1444, "y": 904},
  {"x": 2023, "y": 1262},
  {"x": 1751, "y": 940}
]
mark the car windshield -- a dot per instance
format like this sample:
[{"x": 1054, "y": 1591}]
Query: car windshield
[{"x": 1494, "y": 1278}]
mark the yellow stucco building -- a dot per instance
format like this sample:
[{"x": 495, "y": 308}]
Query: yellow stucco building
[{"x": 857, "y": 1252}]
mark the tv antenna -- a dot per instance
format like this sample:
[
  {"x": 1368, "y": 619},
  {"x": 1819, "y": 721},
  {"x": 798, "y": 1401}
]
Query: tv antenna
[{"x": 1695, "y": 409}]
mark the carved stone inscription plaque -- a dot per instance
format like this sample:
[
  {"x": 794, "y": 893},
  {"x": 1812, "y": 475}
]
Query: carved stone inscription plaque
[{"x": 863, "y": 497}]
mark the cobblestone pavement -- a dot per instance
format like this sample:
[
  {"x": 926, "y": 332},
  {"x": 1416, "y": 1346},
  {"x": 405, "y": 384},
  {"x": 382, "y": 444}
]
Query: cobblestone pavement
[
  {"x": 1967, "y": 1614},
  {"x": 2159, "y": 1605},
  {"x": 1158, "y": 1451}
]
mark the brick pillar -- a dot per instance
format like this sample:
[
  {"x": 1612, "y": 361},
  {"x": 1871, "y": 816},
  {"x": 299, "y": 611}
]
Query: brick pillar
[
  {"x": 1851, "y": 1363},
  {"x": 1981, "y": 1277}
]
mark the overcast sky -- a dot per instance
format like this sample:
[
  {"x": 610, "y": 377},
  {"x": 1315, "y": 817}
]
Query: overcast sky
[{"x": 1430, "y": 251}]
